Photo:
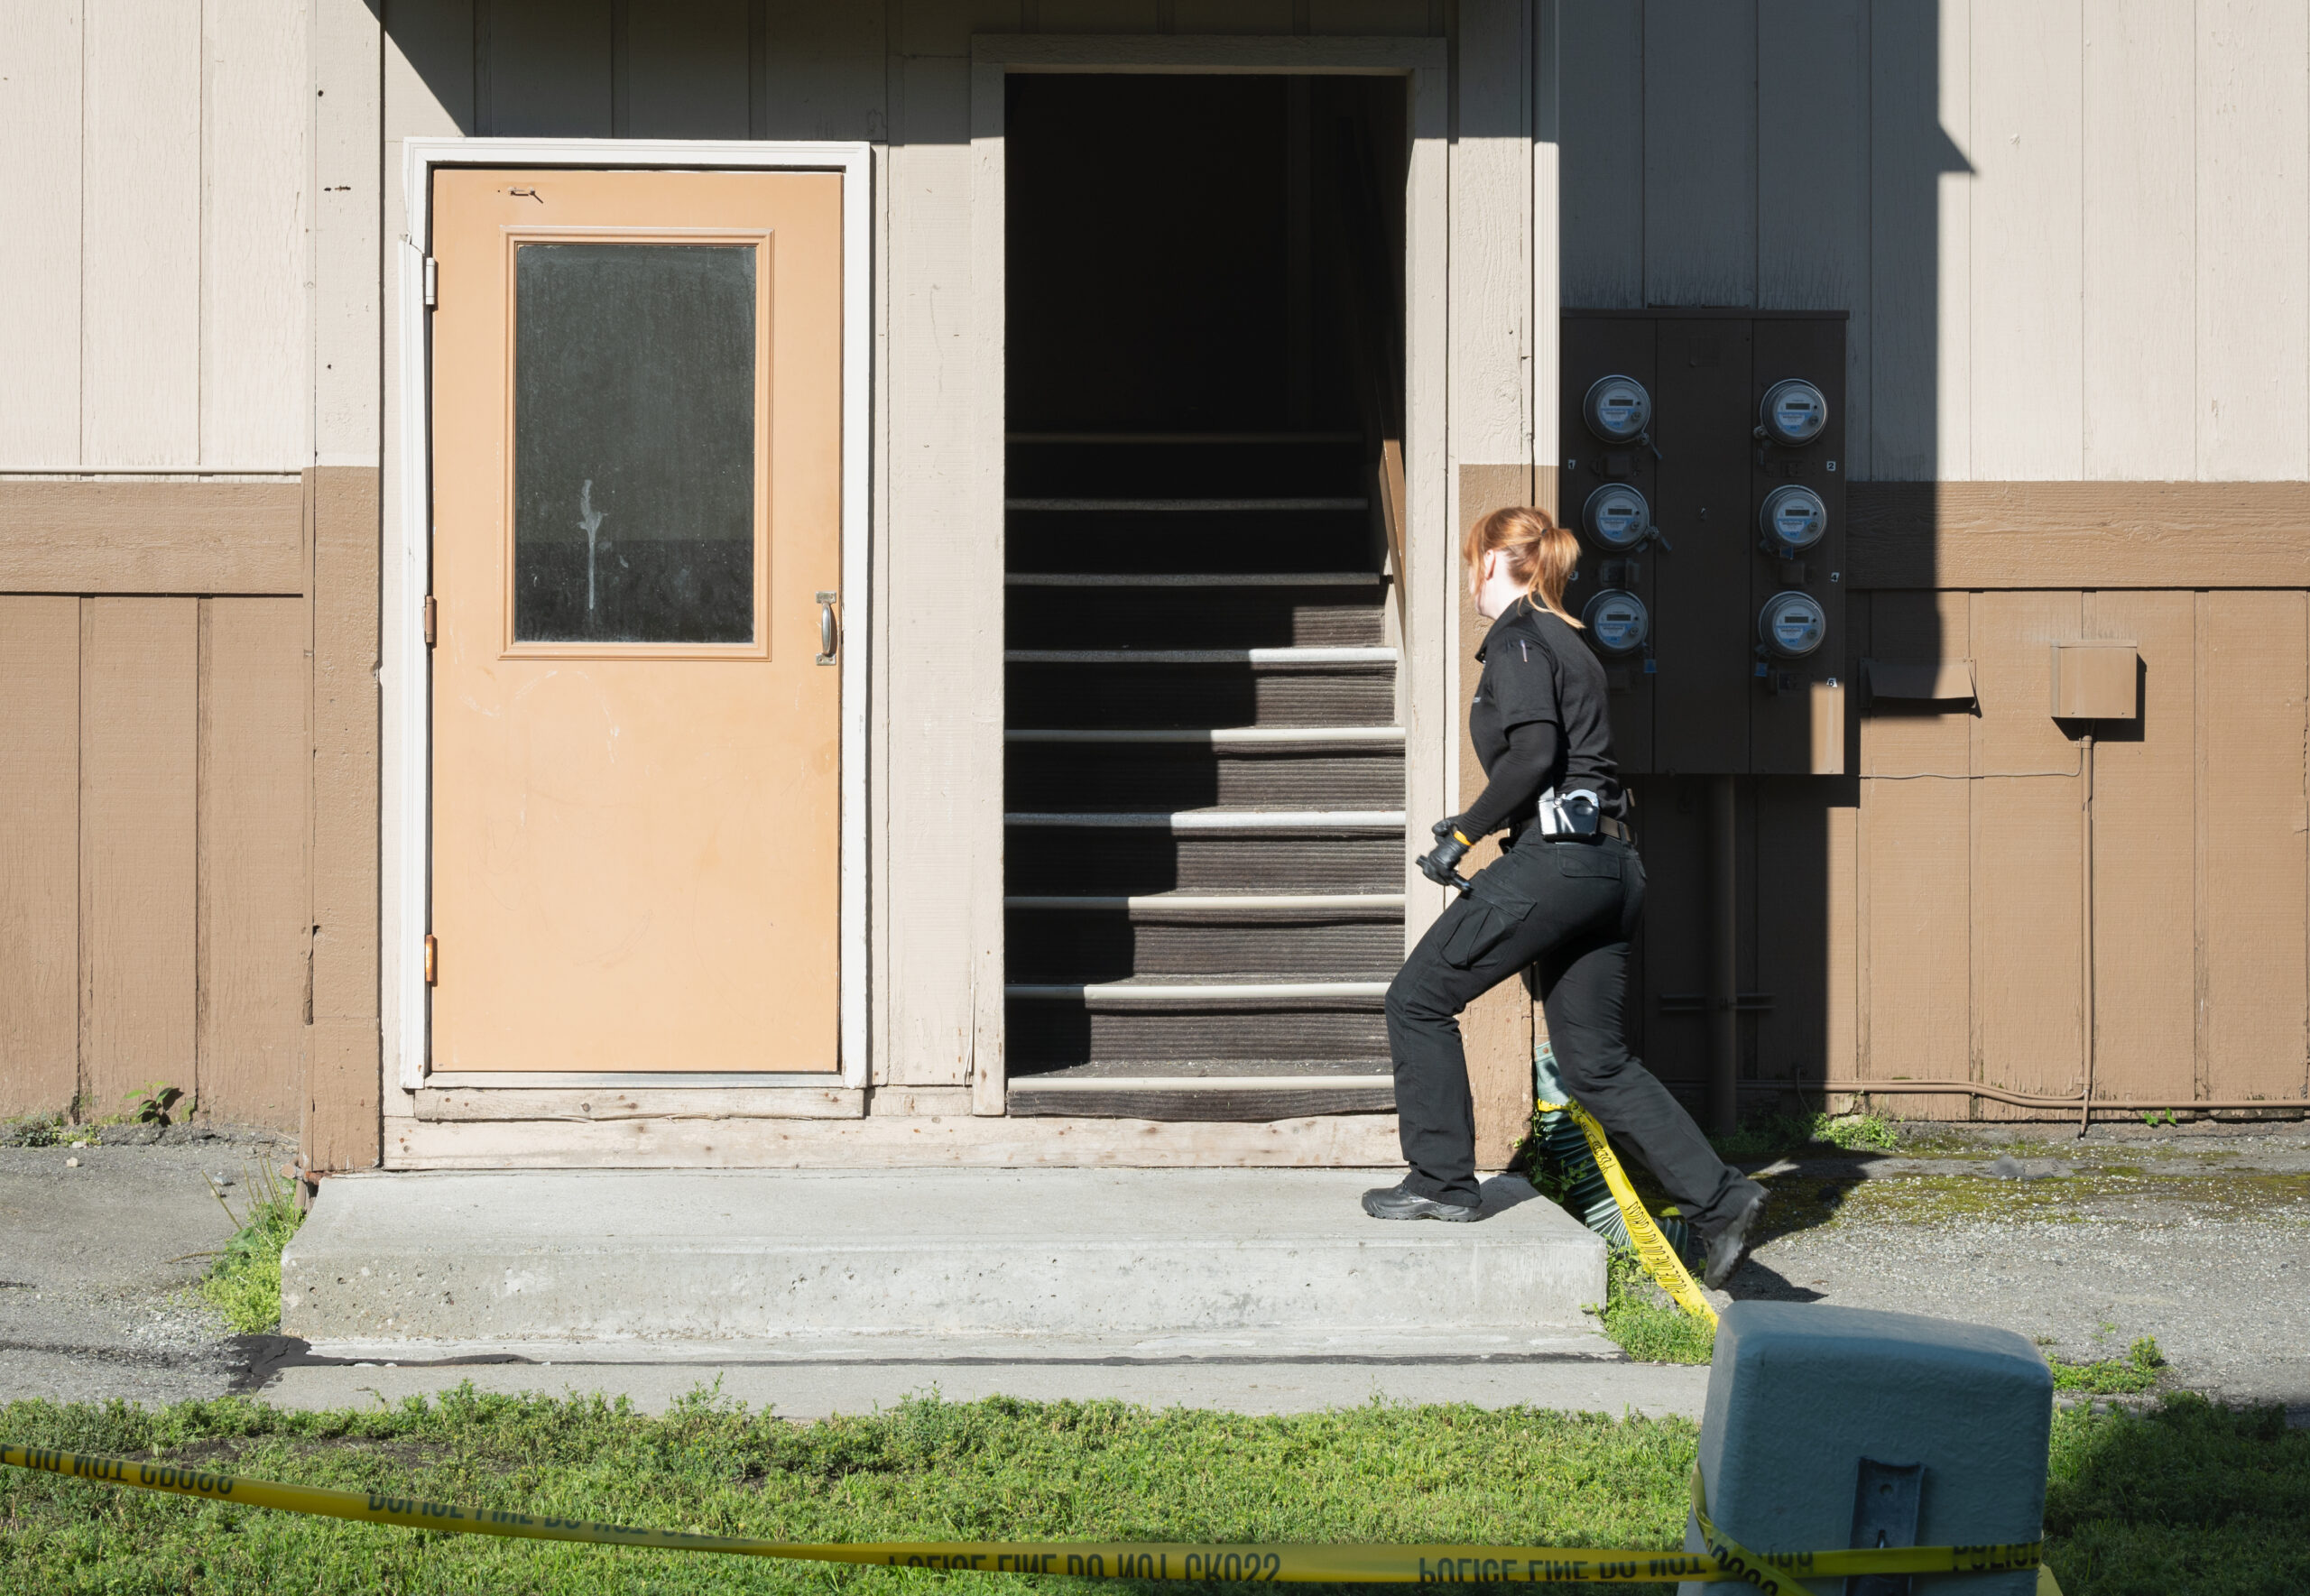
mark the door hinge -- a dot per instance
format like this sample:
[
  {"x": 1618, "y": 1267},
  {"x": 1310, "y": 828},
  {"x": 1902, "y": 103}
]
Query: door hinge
[
  {"x": 432, "y": 620},
  {"x": 432, "y": 282},
  {"x": 432, "y": 961}
]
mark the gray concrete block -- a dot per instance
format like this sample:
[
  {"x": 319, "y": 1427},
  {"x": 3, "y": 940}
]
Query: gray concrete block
[
  {"x": 910, "y": 1253},
  {"x": 1798, "y": 1394}
]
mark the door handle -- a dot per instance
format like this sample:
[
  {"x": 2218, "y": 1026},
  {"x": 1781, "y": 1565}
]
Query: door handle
[{"x": 827, "y": 635}]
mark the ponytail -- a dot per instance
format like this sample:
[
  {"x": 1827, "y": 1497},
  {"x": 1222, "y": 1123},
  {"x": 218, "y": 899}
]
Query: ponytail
[{"x": 1541, "y": 554}]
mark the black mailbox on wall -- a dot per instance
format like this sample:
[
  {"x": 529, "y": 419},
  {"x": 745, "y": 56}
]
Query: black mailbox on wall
[{"x": 1702, "y": 464}]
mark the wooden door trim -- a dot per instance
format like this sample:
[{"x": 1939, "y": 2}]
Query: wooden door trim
[{"x": 407, "y": 678}]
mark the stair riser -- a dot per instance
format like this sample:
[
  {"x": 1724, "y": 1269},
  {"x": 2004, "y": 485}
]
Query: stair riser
[
  {"x": 1087, "y": 863},
  {"x": 1124, "y": 1102},
  {"x": 1054, "y": 1035},
  {"x": 1130, "y": 695},
  {"x": 1196, "y": 540},
  {"x": 1262, "y": 470},
  {"x": 1195, "y": 617},
  {"x": 1044, "y": 777},
  {"x": 1042, "y": 946}
]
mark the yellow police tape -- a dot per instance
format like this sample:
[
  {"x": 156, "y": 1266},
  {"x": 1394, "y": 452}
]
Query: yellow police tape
[
  {"x": 1652, "y": 1248},
  {"x": 1773, "y": 1573}
]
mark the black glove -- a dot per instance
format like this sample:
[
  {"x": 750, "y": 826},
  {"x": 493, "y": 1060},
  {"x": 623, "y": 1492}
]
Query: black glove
[{"x": 1440, "y": 863}]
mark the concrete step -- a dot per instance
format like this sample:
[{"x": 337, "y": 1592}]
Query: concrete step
[{"x": 1256, "y": 1259}]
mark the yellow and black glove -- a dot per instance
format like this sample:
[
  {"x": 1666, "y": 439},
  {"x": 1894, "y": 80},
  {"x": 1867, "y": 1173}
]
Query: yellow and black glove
[{"x": 1440, "y": 863}]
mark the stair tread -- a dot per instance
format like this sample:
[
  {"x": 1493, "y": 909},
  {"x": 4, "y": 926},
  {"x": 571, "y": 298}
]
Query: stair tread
[
  {"x": 1216, "y": 736},
  {"x": 1213, "y": 900},
  {"x": 1195, "y": 579},
  {"x": 1202, "y": 504},
  {"x": 1281, "y": 654},
  {"x": 1214, "y": 819}
]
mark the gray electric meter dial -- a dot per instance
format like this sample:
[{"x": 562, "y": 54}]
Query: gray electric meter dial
[
  {"x": 1616, "y": 516},
  {"x": 1793, "y": 518},
  {"x": 1792, "y": 624},
  {"x": 1794, "y": 413},
  {"x": 1618, "y": 409},
  {"x": 1618, "y": 621}
]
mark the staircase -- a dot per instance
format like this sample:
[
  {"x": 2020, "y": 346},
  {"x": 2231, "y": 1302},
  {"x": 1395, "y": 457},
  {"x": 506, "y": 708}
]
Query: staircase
[{"x": 1204, "y": 779}]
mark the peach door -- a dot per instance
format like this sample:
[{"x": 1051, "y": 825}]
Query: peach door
[{"x": 637, "y": 507}]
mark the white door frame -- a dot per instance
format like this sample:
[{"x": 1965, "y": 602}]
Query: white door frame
[
  {"x": 1428, "y": 678},
  {"x": 406, "y": 679}
]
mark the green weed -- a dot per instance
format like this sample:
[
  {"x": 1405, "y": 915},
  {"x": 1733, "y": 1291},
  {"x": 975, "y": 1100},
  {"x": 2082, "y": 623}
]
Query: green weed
[
  {"x": 1649, "y": 1327},
  {"x": 152, "y": 1105},
  {"x": 244, "y": 1282},
  {"x": 2135, "y": 1372}
]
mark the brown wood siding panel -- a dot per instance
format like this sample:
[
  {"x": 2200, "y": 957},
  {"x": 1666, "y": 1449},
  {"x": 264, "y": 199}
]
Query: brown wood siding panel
[
  {"x": 2251, "y": 732},
  {"x": 40, "y": 797},
  {"x": 1904, "y": 739},
  {"x": 151, "y": 537},
  {"x": 138, "y": 758},
  {"x": 1914, "y": 847},
  {"x": 341, "y": 1125},
  {"x": 2026, "y": 844},
  {"x": 254, "y": 898},
  {"x": 2079, "y": 534},
  {"x": 1672, "y": 949},
  {"x": 1790, "y": 937},
  {"x": 2145, "y": 793},
  {"x": 2012, "y": 635}
]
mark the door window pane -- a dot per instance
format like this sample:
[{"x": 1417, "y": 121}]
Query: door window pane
[{"x": 633, "y": 443}]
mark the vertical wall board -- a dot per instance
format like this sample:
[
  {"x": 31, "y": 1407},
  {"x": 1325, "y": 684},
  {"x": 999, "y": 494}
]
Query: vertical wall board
[
  {"x": 2253, "y": 239},
  {"x": 1491, "y": 281},
  {"x": 1920, "y": 237},
  {"x": 40, "y": 892},
  {"x": 140, "y": 235},
  {"x": 1496, "y": 1029},
  {"x": 348, "y": 45},
  {"x": 1700, "y": 153},
  {"x": 685, "y": 71},
  {"x": 1100, "y": 16},
  {"x": 138, "y": 705},
  {"x": 2027, "y": 898},
  {"x": 1900, "y": 739},
  {"x": 1915, "y": 843},
  {"x": 1674, "y": 816},
  {"x": 2252, "y": 647},
  {"x": 1369, "y": 18},
  {"x": 2027, "y": 263},
  {"x": 1813, "y": 200},
  {"x": 2145, "y": 943},
  {"x": 2141, "y": 272},
  {"x": 941, "y": 674},
  {"x": 255, "y": 234},
  {"x": 944, "y": 27},
  {"x": 255, "y": 691},
  {"x": 1231, "y": 17},
  {"x": 826, "y": 76},
  {"x": 2014, "y": 733},
  {"x": 544, "y": 67},
  {"x": 1840, "y": 958},
  {"x": 341, "y": 1097},
  {"x": 430, "y": 82},
  {"x": 40, "y": 245},
  {"x": 1602, "y": 156},
  {"x": 1791, "y": 932}
]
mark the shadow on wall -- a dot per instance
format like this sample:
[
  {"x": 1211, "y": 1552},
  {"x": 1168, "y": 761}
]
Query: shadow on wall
[{"x": 1777, "y": 157}]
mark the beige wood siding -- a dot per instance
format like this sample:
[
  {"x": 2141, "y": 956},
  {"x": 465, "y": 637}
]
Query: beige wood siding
[
  {"x": 2073, "y": 240},
  {"x": 155, "y": 181}
]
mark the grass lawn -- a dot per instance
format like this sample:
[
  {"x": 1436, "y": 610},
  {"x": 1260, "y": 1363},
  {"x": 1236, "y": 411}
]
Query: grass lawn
[{"x": 2190, "y": 1498}]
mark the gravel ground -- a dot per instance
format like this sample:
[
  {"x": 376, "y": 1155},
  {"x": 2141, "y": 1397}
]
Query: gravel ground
[
  {"x": 2200, "y": 1240},
  {"x": 2199, "y": 1237},
  {"x": 96, "y": 1291}
]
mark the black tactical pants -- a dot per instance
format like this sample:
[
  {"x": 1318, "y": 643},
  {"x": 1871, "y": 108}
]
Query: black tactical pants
[{"x": 1567, "y": 911}]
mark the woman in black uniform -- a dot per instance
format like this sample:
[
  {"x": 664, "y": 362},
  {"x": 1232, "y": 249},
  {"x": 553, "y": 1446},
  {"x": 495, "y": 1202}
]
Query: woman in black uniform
[{"x": 1564, "y": 896}]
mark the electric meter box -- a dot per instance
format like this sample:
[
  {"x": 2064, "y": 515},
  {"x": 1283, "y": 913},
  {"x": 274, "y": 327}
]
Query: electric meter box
[
  {"x": 2096, "y": 680},
  {"x": 1738, "y": 460}
]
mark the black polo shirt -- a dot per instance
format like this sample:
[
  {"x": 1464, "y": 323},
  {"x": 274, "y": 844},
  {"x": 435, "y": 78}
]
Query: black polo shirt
[{"x": 1535, "y": 668}]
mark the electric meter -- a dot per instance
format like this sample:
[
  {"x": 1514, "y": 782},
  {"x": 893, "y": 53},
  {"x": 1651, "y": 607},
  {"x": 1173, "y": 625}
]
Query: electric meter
[
  {"x": 1792, "y": 624},
  {"x": 1618, "y": 409},
  {"x": 1793, "y": 518},
  {"x": 1618, "y": 621},
  {"x": 1794, "y": 413},
  {"x": 1616, "y": 517}
]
